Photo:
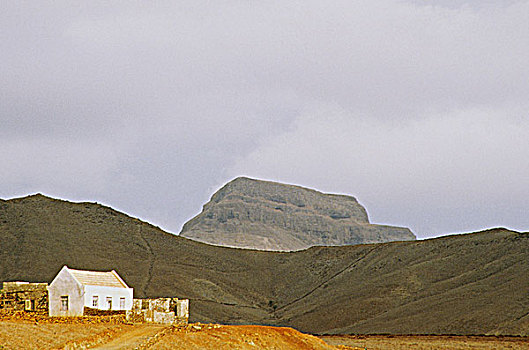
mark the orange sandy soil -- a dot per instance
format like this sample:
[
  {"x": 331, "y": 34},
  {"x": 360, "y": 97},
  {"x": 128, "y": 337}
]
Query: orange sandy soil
[
  {"x": 30, "y": 335},
  {"x": 427, "y": 342},
  {"x": 22, "y": 334},
  {"x": 238, "y": 337},
  {"x": 26, "y": 335}
]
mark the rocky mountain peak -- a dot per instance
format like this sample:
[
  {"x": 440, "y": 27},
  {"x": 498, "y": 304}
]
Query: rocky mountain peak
[{"x": 257, "y": 214}]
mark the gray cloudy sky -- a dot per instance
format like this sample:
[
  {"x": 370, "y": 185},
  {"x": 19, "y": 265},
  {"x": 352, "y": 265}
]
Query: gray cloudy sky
[{"x": 420, "y": 109}]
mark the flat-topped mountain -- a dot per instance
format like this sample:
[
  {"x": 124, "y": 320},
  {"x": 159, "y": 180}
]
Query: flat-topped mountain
[{"x": 256, "y": 214}]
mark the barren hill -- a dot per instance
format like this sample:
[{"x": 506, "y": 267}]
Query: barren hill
[
  {"x": 256, "y": 214},
  {"x": 465, "y": 284}
]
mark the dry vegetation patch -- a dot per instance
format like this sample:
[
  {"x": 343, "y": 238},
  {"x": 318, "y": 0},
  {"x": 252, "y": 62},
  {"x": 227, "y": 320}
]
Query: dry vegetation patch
[{"x": 427, "y": 342}]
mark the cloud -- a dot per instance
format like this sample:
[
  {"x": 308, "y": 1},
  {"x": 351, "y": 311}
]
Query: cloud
[
  {"x": 461, "y": 170},
  {"x": 150, "y": 107}
]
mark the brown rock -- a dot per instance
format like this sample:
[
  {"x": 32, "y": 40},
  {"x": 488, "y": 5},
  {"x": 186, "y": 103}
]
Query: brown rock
[{"x": 255, "y": 214}]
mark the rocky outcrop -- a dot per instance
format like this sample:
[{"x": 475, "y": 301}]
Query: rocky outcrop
[{"x": 256, "y": 214}]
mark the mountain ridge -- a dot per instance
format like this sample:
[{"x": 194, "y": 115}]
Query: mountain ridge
[{"x": 461, "y": 284}]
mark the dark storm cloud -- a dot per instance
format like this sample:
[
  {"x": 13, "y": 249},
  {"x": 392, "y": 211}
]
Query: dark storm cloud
[{"x": 417, "y": 108}]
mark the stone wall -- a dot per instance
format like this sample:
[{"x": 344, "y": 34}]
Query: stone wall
[
  {"x": 160, "y": 310},
  {"x": 182, "y": 308},
  {"x": 89, "y": 311},
  {"x": 24, "y": 296}
]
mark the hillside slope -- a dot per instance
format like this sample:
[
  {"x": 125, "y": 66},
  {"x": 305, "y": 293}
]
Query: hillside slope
[
  {"x": 256, "y": 214},
  {"x": 466, "y": 284}
]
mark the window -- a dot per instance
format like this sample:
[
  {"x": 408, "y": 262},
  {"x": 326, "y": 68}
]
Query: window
[
  {"x": 122, "y": 303},
  {"x": 29, "y": 305},
  {"x": 109, "y": 303},
  {"x": 64, "y": 303},
  {"x": 95, "y": 301}
]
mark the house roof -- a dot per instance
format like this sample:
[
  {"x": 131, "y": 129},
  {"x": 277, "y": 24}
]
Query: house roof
[{"x": 98, "y": 278}]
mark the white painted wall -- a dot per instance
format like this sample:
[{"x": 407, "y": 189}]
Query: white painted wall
[
  {"x": 65, "y": 285},
  {"x": 104, "y": 292}
]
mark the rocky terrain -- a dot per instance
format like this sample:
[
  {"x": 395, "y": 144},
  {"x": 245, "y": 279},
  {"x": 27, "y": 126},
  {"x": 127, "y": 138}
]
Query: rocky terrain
[
  {"x": 463, "y": 284},
  {"x": 256, "y": 214}
]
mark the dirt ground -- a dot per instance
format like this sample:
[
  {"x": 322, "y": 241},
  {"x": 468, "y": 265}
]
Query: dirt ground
[
  {"x": 37, "y": 335},
  {"x": 418, "y": 342},
  {"x": 133, "y": 338},
  {"x": 26, "y": 335},
  {"x": 239, "y": 337}
]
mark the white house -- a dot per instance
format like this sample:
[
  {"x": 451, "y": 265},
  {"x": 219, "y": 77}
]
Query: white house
[{"x": 71, "y": 290}]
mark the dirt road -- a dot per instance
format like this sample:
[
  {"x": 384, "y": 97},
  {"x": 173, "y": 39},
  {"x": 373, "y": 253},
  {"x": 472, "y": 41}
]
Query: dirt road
[{"x": 131, "y": 339}]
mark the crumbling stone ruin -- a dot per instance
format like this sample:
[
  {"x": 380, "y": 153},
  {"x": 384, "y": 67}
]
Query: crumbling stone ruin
[
  {"x": 161, "y": 310},
  {"x": 17, "y": 296}
]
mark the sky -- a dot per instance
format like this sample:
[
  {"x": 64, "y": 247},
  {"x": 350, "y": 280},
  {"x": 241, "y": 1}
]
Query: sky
[{"x": 419, "y": 109}]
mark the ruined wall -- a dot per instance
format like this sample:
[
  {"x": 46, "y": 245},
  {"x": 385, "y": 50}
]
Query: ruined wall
[
  {"x": 24, "y": 296},
  {"x": 161, "y": 310},
  {"x": 182, "y": 308}
]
